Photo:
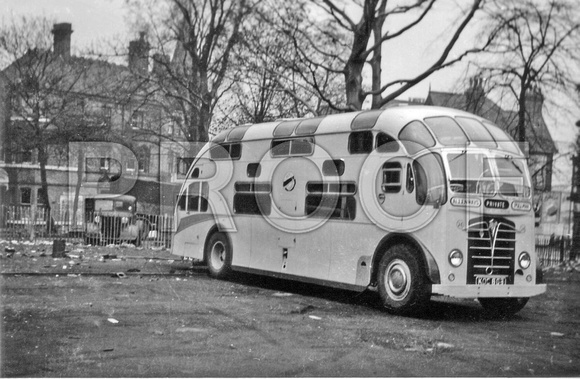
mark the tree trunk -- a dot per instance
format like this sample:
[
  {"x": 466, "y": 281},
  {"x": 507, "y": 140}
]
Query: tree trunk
[
  {"x": 81, "y": 158},
  {"x": 356, "y": 61},
  {"x": 377, "y": 59},
  {"x": 353, "y": 84},
  {"x": 42, "y": 160},
  {"x": 521, "y": 126}
]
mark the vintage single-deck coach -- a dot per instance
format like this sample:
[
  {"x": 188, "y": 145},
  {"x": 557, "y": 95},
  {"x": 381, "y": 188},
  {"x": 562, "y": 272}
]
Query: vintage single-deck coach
[{"x": 412, "y": 201}]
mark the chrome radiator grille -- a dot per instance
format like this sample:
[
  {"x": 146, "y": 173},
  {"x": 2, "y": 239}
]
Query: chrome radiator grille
[{"x": 491, "y": 250}]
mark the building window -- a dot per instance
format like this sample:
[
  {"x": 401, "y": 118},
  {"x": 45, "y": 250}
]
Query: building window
[
  {"x": 25, "y": 195},
  {"x": 143, "y": 158},
  {"x": 107, "y": 114},
  {"x": 183, "y": 165},
  {"x": 40, "y": 197},
  {"x": 80, "y": 105},
  {"x": 130, "y": 166},
  {"x": 137, "y": 120}
]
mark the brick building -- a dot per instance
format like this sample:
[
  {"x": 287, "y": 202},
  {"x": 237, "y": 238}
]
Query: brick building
[{"x": 99, "y": 125}]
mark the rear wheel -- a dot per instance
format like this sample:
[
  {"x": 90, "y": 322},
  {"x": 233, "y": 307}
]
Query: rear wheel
[
  {"x": 503, "y": 307},
  {"x": 218, "y": 255},
  {"x": 402, "y": 284}
]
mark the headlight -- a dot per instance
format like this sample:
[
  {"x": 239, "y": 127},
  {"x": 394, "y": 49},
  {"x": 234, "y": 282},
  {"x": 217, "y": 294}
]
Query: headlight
[
  {"x": 97, "y": 219},
  {"x": 124, "y": 220},
  {"x": 455, "y": 258},
  {"x": 525, "y": 260}
]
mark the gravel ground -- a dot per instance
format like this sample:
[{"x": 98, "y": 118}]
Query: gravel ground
[{"x": 121, "y": 311}]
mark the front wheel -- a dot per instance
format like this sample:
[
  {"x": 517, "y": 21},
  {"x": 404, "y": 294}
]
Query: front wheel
[
  {"x": 503, "y": 307},
  {"x": 403, "y": 285},
  {"x": 218, "y": 255}
]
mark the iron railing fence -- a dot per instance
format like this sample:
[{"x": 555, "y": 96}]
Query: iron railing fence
[
  {"x": 553, "y": 250},
  {"x": 34, "y": 223}
]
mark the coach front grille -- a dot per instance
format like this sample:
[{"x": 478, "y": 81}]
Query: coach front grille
[{"x": 491, "y": 249}]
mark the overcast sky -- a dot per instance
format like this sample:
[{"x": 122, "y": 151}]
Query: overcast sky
[
  {"x": 91, "y": 19},
  {"x": 97, "y": 20}
]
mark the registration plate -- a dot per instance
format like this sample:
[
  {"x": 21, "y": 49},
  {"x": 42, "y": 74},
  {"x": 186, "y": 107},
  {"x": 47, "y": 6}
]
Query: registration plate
[{"x": 491, "y": 280}]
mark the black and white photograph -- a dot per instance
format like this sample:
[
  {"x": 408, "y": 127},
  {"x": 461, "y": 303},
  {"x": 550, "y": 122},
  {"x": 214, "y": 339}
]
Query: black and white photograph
[{"x": 306, "y": 188}]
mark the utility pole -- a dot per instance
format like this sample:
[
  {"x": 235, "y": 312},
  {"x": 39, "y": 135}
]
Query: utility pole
[{"x": 575, "y": 199}]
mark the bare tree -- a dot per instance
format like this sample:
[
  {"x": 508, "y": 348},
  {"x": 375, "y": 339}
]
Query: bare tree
[
  {"x": 347, "y": 38},
  {"x": 536, "y": 44},
  {"x": 193, "y": 41},
  {"x": 268, "y": 80},
  {"x": 45, "y": 109}
]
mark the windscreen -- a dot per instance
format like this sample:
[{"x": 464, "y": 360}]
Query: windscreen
[
  {"x": 112, "y": 205},
  {"x": 487, "y": 175}
]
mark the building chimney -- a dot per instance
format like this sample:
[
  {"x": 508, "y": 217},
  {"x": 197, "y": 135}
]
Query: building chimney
[
  {"x": 535, "y": 101},
  {"x": 139, "y": 55},
  {"x": 62, "y": 34},
  {"x": 475, "y": 96}
]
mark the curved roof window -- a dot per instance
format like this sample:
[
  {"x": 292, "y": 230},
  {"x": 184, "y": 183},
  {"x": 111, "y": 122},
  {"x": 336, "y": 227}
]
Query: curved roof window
[
  {"x": 415, "y": 137},
  {"x": 447, "y": 131},
  {"x": 476, "y": 132},
  {"x": 504, "y": 141}
]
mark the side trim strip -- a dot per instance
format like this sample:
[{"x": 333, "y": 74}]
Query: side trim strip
[
  {"x": 197, "y": 218},
  {"x": 321, "y": 282}
]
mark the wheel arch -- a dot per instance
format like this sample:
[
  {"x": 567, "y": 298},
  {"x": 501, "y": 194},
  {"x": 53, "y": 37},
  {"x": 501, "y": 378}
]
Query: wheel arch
[
  {"x": 428, "y": 263},
  {"x": 217, "y": 228}
]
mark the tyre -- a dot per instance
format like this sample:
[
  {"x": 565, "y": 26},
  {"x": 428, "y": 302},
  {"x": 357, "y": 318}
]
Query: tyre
[
  {"x": 403, "y": 286},
  {"x": 218, "y": 256},
  {"x": 503, "y": 307}
]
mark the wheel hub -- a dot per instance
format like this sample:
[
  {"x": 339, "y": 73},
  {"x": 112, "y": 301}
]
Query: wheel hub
[
  {"x": 398, "y": 280},
  {"x": 218, "y": 255}
]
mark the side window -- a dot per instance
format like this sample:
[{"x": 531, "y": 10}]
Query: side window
[
  {"x": 252, "y": 198},
  {"x": 415, "y": 137},
  {"x": 392, "y": 177},
  {"x": 333, "y": 167},
  {"x": 253, "y": 170},
  {"x": 195, "y": 199},
  {"x": 430, "y": 180},
  {"x": 410, "y": 179},
  {"x": 447, "y": 131},
  {"x": 360, "y": 142},
  {"x": 386, "y": 143},
  {"x": 226, "y": 151},
  {"x": 331, "y": 200},
  {"x": 292, "y": 147}
]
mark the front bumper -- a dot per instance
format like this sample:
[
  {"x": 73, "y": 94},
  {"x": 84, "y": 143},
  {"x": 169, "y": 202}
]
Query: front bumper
[{"x": 474, "y": 291}]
